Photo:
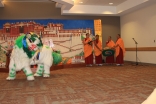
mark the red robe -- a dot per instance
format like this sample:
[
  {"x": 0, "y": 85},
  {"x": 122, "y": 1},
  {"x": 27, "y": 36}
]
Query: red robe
[
  {"x": 120, "y": 51},
  {"x": 88, "y": 54},
  {"x": 98, "y": 51},
  {"x": 110, "y": 59}
]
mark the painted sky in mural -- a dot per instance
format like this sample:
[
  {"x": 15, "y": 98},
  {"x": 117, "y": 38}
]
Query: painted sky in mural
[{"x": 68, "y": 24}]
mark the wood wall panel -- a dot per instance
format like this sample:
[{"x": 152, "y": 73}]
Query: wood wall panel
[{"x": 141, "y": 49}]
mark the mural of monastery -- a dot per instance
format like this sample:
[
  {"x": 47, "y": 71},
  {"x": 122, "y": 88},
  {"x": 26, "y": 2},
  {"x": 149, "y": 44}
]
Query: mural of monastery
[{"x": 67, "y": 41}]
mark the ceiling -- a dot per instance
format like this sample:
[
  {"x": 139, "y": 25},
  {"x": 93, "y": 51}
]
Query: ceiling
[
  {"x": 98, "y": 2},
  {"x": 93, "y": 7}
]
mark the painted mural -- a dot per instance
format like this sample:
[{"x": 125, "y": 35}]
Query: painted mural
[{"x": 64, "y": 36}]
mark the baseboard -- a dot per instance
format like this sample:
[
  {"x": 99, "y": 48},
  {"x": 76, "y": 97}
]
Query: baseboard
[{"x": 142, "y": 63}]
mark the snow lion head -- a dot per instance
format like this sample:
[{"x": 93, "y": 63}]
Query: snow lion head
[{"x": 30, "y": 43}]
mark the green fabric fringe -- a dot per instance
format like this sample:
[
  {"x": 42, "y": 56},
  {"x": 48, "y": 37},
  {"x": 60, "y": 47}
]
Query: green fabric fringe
[
  {"x": 18, "y": 41},
  {"x": 57, "y": 58}
]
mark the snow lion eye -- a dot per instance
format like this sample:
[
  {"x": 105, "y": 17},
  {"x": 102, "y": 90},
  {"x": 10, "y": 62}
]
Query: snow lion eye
[{"x": 30, "y": 41}]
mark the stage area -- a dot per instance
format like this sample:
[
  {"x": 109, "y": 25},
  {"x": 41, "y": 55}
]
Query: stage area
[{"x": 82, "y": 85}]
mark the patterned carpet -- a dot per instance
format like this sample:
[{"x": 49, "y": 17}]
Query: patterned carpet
[{"x": 86, "y": 85}]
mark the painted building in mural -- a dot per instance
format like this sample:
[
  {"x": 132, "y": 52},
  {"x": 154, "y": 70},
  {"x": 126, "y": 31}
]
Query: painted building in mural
[
  {"x": 13, "y": 30},
  {"x": 68, "y": 41}
]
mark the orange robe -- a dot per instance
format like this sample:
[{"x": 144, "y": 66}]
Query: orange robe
[
  {"x": 110, "y": 44},
  {"x": 110, "y": 59},
  {"x": 88, "y": 54},
  {"x": 120, "y": 51},
  {"x": 98, "y": 52},
  {"x": 120, "y": 44}
]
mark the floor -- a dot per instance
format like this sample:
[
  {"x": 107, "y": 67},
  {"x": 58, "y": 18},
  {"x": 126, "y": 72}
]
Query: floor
[{"x": 83, "y": 85}]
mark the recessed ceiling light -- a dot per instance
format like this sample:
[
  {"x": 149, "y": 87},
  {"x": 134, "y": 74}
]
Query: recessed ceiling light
[
  {"x": 81, "y": 2},
  {"x": 110, "y": 3},
  {"x": 145, "y": 0},
  {"x": 120, "y": 11}
]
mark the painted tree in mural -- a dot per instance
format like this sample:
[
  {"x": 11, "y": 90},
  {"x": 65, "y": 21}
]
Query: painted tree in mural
[{"x": 2, "y": 56}]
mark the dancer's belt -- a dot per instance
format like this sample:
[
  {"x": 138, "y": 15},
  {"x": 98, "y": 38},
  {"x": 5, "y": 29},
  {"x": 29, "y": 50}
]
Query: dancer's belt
[{"x": 108, "y": 52}]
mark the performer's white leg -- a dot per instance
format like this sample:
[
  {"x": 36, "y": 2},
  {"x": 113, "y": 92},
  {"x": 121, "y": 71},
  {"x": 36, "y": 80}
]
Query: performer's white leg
[
  {"x": 46, "y": 71},
  {"x": 40, "y": 70},
  {"x": 12, "y": 70},
  {"x": 28, "y": 73}
]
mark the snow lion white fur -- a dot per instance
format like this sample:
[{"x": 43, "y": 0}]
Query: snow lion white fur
[{"x": 29, "y": 50}]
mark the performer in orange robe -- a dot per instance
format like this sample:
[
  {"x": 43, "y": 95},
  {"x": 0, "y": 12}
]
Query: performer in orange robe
[
  {"x": 119, "y": 51},
  {"x": 88, "y": 50},
  {"x": 110, "y": 44},
  {"x": 98, "y": 51}
]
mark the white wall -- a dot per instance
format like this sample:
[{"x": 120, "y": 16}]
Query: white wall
[{"x": 141, "y": 25}]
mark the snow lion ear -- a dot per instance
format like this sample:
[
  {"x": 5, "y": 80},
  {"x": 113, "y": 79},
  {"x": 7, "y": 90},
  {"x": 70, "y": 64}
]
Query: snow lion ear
[
  {"x": 38, "y": 36},
  {"x": 28, "y": 35}
]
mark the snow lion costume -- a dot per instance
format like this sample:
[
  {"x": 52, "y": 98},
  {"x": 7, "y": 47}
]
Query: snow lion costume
[{"x": 29, "y": 50}]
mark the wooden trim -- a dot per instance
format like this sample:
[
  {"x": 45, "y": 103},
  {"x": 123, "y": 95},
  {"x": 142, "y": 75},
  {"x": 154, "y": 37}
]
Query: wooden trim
[
  {"x": 5, "y": 70},
  {"x": 141, "y": 49}
]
